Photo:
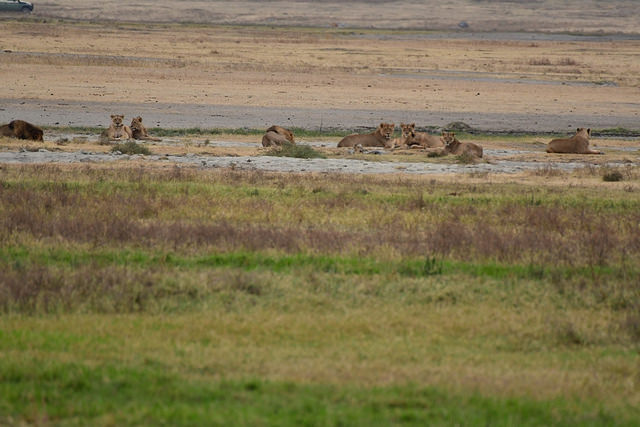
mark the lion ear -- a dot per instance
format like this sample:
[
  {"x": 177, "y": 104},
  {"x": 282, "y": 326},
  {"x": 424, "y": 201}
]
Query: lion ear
[
  {"x": 589, "y": 131},
  {"x": 113, "y": 115},
  {"x": 413, "y": 125},
  {"x": 578, "y": 129}
]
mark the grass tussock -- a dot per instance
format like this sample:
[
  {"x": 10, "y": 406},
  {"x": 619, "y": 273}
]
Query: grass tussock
[
  {"x": 131, "y": 148},
  {"x": 296, "y": 150},
  {"x": 612, "y": 176}
]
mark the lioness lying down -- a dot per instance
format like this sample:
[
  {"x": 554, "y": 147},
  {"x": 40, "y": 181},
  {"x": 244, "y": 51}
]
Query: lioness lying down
[
  {"x": 118, "y": 130},
  {"x": 453, "y": 146},
  {"x": 381, "y": 137},
  {"x": 415, "y": 139},
  {"x": 577, "y": 144},
  {"x": 276, "y": 136},
  {"x": 139, "y": 131}
]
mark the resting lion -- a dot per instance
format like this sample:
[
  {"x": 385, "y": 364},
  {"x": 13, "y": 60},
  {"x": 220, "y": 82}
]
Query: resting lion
[
  {"x": 453, "y": 146},
  {"x": 380, "y": 138},
  {"x": 139, "y": 131},
  {"x": 117, "y": 130},
  {"x": 276, "y": 136},
  {"x": 577, "y": 144},
  {"x": 22, "y": 130},
  {"x": 415, "y": 139}
]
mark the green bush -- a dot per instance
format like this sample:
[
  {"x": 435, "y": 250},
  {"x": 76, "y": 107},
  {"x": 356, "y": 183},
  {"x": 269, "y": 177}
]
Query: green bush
[
  {"x": 297, "y": 151},
  {"x": 131, "y": 147},
  {"x": 612, "y": 176}
]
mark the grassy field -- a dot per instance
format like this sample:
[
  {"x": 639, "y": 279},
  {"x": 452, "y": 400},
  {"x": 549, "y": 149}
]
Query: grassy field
[{"x": 148, "y": 295}]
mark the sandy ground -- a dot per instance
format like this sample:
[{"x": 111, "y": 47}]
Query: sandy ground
[{"x": 185, "y": 76}]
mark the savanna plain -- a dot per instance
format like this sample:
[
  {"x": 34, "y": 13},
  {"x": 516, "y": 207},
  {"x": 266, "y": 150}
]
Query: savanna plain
[{"x": 147, "y": 292}]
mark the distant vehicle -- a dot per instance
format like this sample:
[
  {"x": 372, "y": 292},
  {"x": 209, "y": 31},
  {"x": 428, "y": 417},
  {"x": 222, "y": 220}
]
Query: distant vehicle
[{"x": 16, "y": 6}]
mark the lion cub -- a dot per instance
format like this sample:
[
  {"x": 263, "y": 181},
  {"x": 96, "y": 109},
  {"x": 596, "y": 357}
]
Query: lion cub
[
  {"x": 277, "y": 135},
  {"x": 118, "y": 130},
  {"x": 381, "y": 137},
  {"x": 453, "y": 146},
  {"x": 139, "y": 131},
  {"x": 577, "y": 144},
  {"x": 415, "y": 139}
]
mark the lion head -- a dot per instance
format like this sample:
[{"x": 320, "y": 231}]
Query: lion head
[
  {"x": 586, "y": 133},
  {"x": 386, "y": 130},
  {"x": 408, "y": 130},
  {"x": 117, "y": 119},
  {"x": 136, "y": 123},
  {"x": 448, "y": 138}
]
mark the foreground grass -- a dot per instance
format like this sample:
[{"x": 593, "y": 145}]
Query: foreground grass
[
  {"x": 147, "y": 396},
  {"x": 177, "y": 296}
]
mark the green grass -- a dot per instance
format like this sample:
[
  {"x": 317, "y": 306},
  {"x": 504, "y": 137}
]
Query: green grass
[
  {"x": 36, "y": 391},
  {"x": 297, "y": 151},
  {"x": 131, "y": 147},
  {"x": 284, "y": 263},
  {"x": 339, "y": 132}
]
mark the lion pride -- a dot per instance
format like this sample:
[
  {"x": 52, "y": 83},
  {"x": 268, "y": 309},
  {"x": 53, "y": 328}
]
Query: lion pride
[
  {"x": 577, "y": 144},
  {"x": 277, "y": 135},
  {"x": 381, "y": 137}
]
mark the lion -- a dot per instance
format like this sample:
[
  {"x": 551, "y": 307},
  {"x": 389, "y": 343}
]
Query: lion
[
  {"x": 139, "y": 131},
  {"x": 117, "y": 130},
  {"x": 22, "y": 130},
  {"x": 381, "y": 137},
  {"x": 419, "y": 139},
  {"x": 577, "y": 144},
  {"x": 453, "y": 146},
  {"x": 277, "y": 135}
]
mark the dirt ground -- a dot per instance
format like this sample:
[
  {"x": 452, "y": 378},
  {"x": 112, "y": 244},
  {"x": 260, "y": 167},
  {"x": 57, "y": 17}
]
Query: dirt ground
[{"x": 184, "y": 75}]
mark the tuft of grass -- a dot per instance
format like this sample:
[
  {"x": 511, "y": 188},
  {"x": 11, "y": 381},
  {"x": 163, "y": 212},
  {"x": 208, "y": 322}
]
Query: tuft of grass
[
  {"x": 131, "y": 147},
  {"x": 438, "y": 153},
  {"x": 612, "y": 176},
  {"x": 297, "y": 151},
  {"x": 466, "y": 158},
  {"x": 539, "y": 61}
]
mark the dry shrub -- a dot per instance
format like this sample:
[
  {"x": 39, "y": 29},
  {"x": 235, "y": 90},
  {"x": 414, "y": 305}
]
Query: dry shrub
[
  {"x": 42, "y": 289},
  {"x": 612, "y": 175},
  {"x": 567, "y": 61},
  {"x": 548, "y": 171},
  {"x": 540, "y": 61},
  {"x": 466, "y": 158}
]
